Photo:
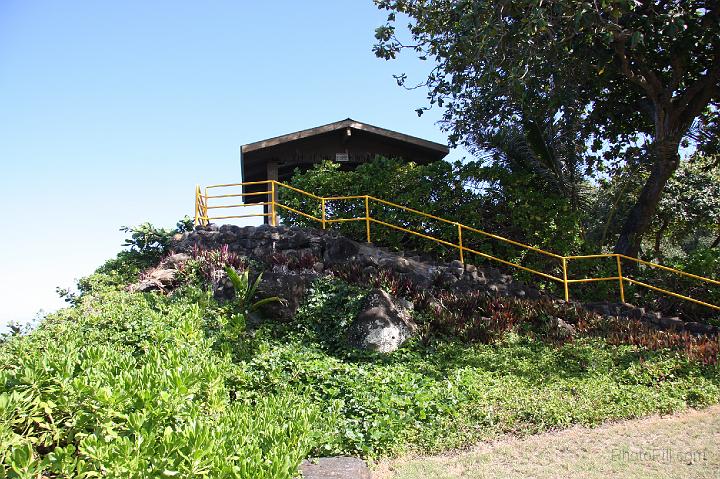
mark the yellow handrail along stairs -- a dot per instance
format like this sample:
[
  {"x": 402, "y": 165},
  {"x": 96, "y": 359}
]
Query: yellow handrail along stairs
[{"x": 203, "y": 217}]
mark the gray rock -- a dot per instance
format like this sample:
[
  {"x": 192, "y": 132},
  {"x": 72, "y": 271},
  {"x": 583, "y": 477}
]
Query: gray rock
[
  {"x": 339, "y": 249},
  {"x": 448, "y": 279},
  {"x": 636, "y": 313},
  {"x": 533, "y": 293},
  {"x": 519, "y": 293},
  {"x": 335, "y": 468},
  {"x": 671, "y": 323},
  {"x": 289, "y": 287},
  {"x": 233, "y": 230},
  {"x": 562, "y": 329},
  {"x": 174, "y": 261},
  {"x": 222, "y": 287},
  {"x": 700, "y": 328},
  {"x": 395, "y": 263},
  {"x": 383, "y": 325},
  {"x": 157, "y": 279}
]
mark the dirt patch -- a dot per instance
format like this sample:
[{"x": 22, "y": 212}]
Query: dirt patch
[{"x": 684, "y": 445}]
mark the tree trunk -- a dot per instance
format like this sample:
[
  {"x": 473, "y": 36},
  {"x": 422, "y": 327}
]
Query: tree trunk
[
  {"x": 659, "y": 236},
  {"x": 716, "y": 243},
  {"x": 641, "y": 215}
]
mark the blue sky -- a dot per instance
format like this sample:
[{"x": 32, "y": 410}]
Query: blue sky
[{"x": 111, "y": 112}]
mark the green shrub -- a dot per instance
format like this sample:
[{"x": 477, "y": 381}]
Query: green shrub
[
  {"x": 128, "y": 386},
  {"x": 443, "y": 393},
  {"x": 151, "y": 240},
  {"x": 483, "y": 197},
  {"x": 146, "y": 385}
]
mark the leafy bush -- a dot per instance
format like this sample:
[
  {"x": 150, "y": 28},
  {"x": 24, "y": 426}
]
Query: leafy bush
[
  {"x": 487, "y": 198},
  {"x": 442, "y": 393},
  {"x": 701, "y": 261},
  {"x": 147, "y": 385},
  {"x": 128, "y": 386},
  {"x": 244, "y": 302},
  {"x": 154, "y": 241}
]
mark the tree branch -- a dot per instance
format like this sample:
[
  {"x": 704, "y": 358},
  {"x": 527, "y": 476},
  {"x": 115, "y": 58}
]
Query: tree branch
[
  {"x": 619, "y": 47},
  {"x": 697, "y": 96}
]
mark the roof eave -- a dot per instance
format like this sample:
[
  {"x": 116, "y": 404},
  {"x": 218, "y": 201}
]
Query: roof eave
[{"x": 347, "y": 123}]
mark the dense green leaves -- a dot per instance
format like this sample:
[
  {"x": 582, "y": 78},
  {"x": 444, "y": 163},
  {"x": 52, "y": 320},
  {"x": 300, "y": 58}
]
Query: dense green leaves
[
  {"x": 129, "y": 386},
  {"x": 491, "y": 198},
  {"x": 447, "y": 393},
  {"x": 690, "y": 211},
  {"x": 151, "y": 241},
  {"x": 145, "y": 385},
  {"x": 624, "y": 76}
]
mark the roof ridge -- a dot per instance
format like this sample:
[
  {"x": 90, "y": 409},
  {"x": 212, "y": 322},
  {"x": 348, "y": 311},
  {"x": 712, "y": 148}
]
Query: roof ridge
[{"x": 298, "y": 135}]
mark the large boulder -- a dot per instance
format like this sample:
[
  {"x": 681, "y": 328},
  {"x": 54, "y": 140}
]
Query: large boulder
[
  {"x": 339, "y": 249},
  {"x": 290, "y": 287},
  {"x": 383, "y": 325},
  {"x": 156, "y": 279}
]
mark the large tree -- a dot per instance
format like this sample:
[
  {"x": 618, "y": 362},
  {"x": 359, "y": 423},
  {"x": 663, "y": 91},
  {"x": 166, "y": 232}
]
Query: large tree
[{"x": 639, "y": 73}]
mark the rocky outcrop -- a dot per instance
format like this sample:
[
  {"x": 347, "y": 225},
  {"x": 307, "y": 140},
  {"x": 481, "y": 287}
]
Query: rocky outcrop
[
  {"x": 288, "y": 286},
  {"x": 321, "y": 250},
  {"x": 295, "y": 256},
  {"x": 383, "y": 324},
  {"x": 655, "y": 319},
  {"x": 163, "y": 276}
]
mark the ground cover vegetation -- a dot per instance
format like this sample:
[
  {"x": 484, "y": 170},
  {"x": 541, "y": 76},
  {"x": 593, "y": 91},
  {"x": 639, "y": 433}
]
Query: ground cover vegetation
[{"x": 174, "y": 383}]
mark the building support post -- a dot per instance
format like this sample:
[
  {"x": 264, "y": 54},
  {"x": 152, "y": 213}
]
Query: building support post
[
  {"x": 272, "y": 175},
  {"x": 273, "y": 192},
  {"x": 322, "y": 205}
]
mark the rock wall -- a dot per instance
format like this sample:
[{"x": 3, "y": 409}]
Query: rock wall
[
  {"x": 332, "y": 249},
  {"x": 317, "y": 251}
]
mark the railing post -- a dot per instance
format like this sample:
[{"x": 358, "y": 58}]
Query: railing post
[
  {"x": 367, "y": 217},
  {"x": 204, "y": 202},
  {"x": 620, "y": 279},
  {"x": 273, "y": 218},
  {"x": 460, "y": 242},
  {"x": 565, "y": 281},
  {"x": 197, "y": 204},
  {"x": 322, "y": 204}
]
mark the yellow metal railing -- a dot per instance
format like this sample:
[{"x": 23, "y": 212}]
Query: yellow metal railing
[{"x": 270, "y": 206}]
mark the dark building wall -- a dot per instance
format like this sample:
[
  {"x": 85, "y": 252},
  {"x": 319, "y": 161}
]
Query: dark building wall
[{"x": 360, "y": 146}]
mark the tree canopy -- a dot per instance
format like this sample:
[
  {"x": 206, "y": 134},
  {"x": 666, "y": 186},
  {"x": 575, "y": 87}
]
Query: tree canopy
[{"x": 633, "y": 78}]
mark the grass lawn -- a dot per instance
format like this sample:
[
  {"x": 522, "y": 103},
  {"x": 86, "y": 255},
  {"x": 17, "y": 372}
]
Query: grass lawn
[{"x": 685, "y": 445}]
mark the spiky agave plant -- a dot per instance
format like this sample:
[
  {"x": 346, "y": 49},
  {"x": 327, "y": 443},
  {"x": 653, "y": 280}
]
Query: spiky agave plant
[{"x": 244, "y": 294}]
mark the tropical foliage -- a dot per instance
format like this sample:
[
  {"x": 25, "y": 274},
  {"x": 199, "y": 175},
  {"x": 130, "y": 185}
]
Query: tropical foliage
[
  {"x": 127, "y": 384},
  {"x": 487, "y": 197},
  {"x": 628, "y": 77}
]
